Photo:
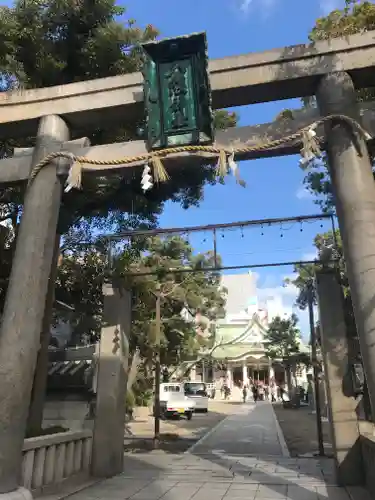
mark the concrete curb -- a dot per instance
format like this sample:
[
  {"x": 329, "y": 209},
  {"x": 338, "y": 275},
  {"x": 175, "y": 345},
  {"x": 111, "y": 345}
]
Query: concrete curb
[{"x": 280, "y": 435}]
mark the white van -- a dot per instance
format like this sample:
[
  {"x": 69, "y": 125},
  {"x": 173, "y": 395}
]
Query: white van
[
  {"x": 174, "y": 403},
  {"x": 168, "y": 389},
  {"x": 197, "y": 391}
]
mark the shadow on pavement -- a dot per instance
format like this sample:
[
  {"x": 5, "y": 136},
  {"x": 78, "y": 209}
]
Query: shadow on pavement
[{"x": 300, "y": 483}]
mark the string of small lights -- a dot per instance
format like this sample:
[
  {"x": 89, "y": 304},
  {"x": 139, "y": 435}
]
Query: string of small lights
[
  {"x": 210, "y": 235},
  {"x": 214, "y": 227},
  {"x": 232, "y": 268}
]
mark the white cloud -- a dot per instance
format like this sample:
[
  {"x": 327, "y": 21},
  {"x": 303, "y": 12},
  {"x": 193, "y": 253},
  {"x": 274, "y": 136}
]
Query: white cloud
[
  {"x": 281, "y": 300},
  {"x": 265, "y": 7},
  {"x": 327, "y": 6},
  {"x": 309, "y": 256},
  {"x": 245, "y": 5},
  {"x": 303, "y": 194}
]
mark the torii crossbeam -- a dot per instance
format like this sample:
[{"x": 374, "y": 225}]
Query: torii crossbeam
[{"x": 17, "y": 169}]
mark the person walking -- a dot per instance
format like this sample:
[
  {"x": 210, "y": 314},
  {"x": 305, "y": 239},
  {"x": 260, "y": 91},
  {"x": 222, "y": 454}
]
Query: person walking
[
  {"x": 266, "y": 392},
  {"x": 260, "y": 387},
  {"x": 255, "y": 393},
  {"x": 244, "y": 393},
  {"x": 282, "y": 391},
  {"x": 226, "y": 392},
  {"x": 273, "y": 393}
]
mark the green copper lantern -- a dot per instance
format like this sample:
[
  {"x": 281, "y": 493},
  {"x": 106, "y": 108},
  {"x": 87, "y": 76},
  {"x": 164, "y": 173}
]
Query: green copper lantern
[{"x": 177, "y": 94}]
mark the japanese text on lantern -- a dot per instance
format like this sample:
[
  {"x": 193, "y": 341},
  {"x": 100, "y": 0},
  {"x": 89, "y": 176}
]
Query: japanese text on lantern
[{"x": 177, "y": 92}]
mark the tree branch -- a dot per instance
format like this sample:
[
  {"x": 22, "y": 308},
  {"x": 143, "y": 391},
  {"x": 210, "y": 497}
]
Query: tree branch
[{"x": 175, "y": 287}]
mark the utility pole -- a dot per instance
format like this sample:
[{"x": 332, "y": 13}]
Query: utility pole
[
  {"x": 159, "y": 295},
  {"x": 314, "y": 360},
  {"x": 157, "y": 364}
]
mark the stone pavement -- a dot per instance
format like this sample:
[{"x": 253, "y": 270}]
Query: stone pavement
[
  {"x": 228, "y": 464},
  {"x": 252, "y": 429}
]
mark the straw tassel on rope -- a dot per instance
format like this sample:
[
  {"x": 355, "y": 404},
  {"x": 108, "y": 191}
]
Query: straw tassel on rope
[
  {"x": 74, "y": 180},
  {"x": 311, "y": 148},
  {"x": 235, "y": 170},
  {"x": 222, "y": 166},
  {"x": 160, "y": 174}
]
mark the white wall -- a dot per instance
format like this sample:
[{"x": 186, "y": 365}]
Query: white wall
[{"x": 242, "y": 293}]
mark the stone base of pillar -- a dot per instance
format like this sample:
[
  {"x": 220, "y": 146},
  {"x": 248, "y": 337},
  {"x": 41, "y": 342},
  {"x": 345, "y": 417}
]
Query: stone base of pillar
[{"x": 19, "y": 494}]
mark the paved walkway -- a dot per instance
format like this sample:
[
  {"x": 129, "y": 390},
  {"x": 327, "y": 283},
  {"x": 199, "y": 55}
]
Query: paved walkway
[
  {"x": 253, "y": 429},
  {"x": 243, "y": 458}
]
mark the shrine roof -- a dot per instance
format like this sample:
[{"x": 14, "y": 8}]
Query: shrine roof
[
  {"x": 238, "y": 351},
  {"x": 248, "y": 332}
]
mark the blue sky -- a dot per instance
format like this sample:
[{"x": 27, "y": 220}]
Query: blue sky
[{"x": 274, "y": 186}]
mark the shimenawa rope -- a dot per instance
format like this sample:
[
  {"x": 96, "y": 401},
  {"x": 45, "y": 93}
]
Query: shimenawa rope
[{"x": 226, "y": 157}]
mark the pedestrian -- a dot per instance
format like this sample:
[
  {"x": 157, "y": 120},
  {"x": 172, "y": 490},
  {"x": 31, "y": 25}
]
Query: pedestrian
[
  {"x": 255, "y": 393},
  {"x": 302, "y": 394},
  {"x": 273, "y": 393},
  {"x": 261, "y": 392},
  {"x": 226, "y": 392},
  {"x": 266, "y": 392},
  {"x": 244, "y": 393},
  {"x": 282, "y": 391}
]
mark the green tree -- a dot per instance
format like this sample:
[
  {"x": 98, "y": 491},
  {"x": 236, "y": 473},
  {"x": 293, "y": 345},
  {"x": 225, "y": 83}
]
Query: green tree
[
  {"x": 355, "y": 17},
  {"x": 283, "y": 343},
  {"x": 80, "y": 278},
  {"x": 79, "y": 284},
  {"x": 189, "y": 293},
  {"x": 329, "y": 247},
  {"x": 224, "y": 119}
]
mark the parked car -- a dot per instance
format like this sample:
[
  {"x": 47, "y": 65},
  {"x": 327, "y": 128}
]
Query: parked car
[
  {"x": 169, "y": 388},
  {"x": 197, "y": 391},
  {"x": 177, "y": 405}
]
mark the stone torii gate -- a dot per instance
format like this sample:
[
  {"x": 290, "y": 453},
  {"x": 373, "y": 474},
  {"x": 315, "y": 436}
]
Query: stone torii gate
[{"x": 330, "y": 70}]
